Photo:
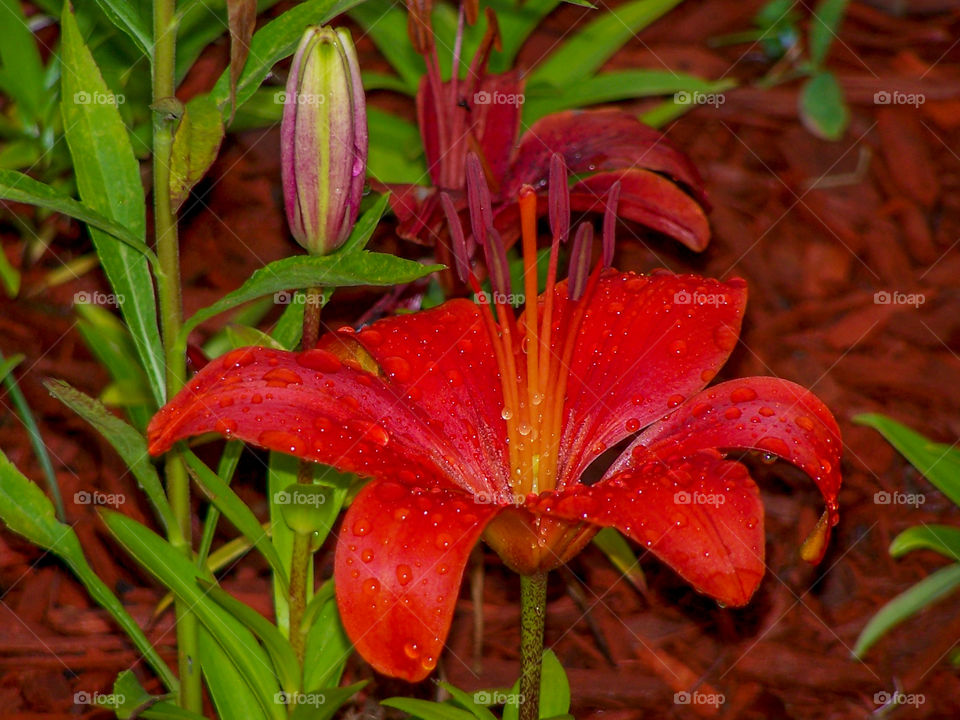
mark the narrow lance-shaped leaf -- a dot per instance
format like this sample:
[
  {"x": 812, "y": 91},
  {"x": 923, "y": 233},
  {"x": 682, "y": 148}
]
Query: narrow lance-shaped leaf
[
  {"x": 25, "y": 510},
  {"x": 108, "y": 179},
  {"x": 195, "y": 145}
]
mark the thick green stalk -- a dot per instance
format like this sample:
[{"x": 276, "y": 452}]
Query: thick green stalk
[
  {"x": 533, "y": 612},
  {"x": 171, "y": 318},
  {"x": 301, "y": 556}
]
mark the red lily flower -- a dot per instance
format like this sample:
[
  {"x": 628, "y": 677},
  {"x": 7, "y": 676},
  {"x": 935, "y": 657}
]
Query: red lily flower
[
  {"x": 472, "y": 422},
  {"x": 660, "y": 187}
]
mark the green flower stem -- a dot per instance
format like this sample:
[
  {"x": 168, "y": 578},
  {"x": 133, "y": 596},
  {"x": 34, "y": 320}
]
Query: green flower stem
[
  {"x": 299, "y": 572},
  {"x": 533, "y": 612},
  {"x": 171, "y": 318},
  {"x": 302, "y": 557}
]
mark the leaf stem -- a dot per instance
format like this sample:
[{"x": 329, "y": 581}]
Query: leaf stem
[
  {"x": 171, "y": 318},
  {"x": 533, "y": 612}
]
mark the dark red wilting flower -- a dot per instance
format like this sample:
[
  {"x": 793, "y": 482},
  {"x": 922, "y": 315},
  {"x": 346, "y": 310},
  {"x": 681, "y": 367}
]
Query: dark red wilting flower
[
  {"x": 474, "y": 420},
  {"x": 481, "y": 113}
]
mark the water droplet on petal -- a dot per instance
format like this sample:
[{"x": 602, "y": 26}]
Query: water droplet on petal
[
  {"x": 397, "y": 368},
  {"x": 281, "y": 377},
  {"x": 319, "y": 360},
  {"x": 732, "y": 413},
  {"x": 371, "y": 586},
  {"x": 632, "y": 425},
  {"x": 725, "y": 338},
  {"x": 281, "y": 440},
  {"x": 674, "y": 400},
  {"x": 404, "y": 574},
  {"x": 367, "y": 556},
  {"x": 225, "y": 426},
  {"x": 411, "y": 650},
  {"x": 805, "y": 422},
  {"x": 361, "y": 527},
  {"x": 743, "y": 394}
]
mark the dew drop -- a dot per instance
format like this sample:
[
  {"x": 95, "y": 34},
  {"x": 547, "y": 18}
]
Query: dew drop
[
  {"x": 397, "y": 368},
  {"x": 225, "y": 426},
  {"x": 674, "y": 400},
  {"x": 404, "y": 574},
  {"x": 743, "y": 394},
  {"x": 632, "y": 425},
  {"x": 361, "y": 527},
  {"x": 320, "y": 360},
  {"x": 443, "y": 541},
  {"x": 281, "y": 377},
  {"x": 239, "y": 357},
  {"x": 678, "y": 347},
  {"x": 367, "y": 556},
  {"x": 411, "y": 650},
  {"x": 506, "y": 413},
  {"x": 281, "y": 440},
  {"x": 766, "y": 412},
  {"x": 371, "y": 586},
  {"x": 732, "y": 413},
  {"x": 804, "y": 422}
]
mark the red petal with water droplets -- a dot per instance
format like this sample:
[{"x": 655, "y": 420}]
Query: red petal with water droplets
[
  {"x": 442, "y": 361},
  {"x": 646, "y": 344},
  {"x": 496, "y": 121},
  {"x": 417, "y": 209},
  {"x": 313, "y": 406},
  {"x": 399, "y": 562},
  {"x": 700, "y": 514},
  {"x": 596, "y": 141},
  {"x": 649, "y": 199},
  {"x": 760, "y": 413}
]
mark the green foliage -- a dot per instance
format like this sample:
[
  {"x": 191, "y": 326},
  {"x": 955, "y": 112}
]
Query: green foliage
[{"x": 940, "y": 464}]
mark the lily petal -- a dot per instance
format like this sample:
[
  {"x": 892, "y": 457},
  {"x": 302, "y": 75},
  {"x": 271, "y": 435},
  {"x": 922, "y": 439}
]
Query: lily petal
[
  {"x": 442, "y": 362},
  {"x": 759, "y": 413},
  {"x": 647, "y": 343},
  {"x": 595, "y": 141},
  {"x": 700, "y": 514},
  {"x": 312, "y": 406},
  {"x": 398, "y": 567}
]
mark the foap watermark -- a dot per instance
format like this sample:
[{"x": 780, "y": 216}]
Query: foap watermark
[
  {"x": 699, "y": 698},
  {"x": 882, "y": 497},
  {"x": 95, "y": 497},
  {"x": 484, "y": 97},
  {"x": 98, "y": 98},
  {"x": 296, "y": 497},
  {"x": 82, "y": 697},
  {"x": 297, "y": 298},
  {"x": 97, "y": 298},
  {"x": 685, "y": 297},
  {"x": 886, "y": 297},
  {"x": 284, "y": 98},
  {"x": 699, "y": 98},
  {"x": 884, "y": 698},
  {"x": 885, "y": 97},
  {"x": 499, "y": 298},
  {"x": 490, "y": 498},
  {"x": 497, "y": 697},
  {"x": 685, "y": 497},
  {"x": 299, "y": 698}
]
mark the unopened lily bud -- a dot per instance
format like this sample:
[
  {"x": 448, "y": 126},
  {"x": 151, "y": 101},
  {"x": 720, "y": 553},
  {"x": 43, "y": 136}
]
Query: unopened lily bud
[{"x": 323, "y": 140}]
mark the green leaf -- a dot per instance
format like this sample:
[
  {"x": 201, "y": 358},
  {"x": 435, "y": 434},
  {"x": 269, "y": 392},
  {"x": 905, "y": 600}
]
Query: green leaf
[
  {"x": 301, "y": 271},
  {"x": 168, "y": 710},
  {"x": 7, "y": 366},
  {"x": 396, "y": 151},
  {"x": 517, "y": 21},
  {"x": 108, "y": 179},
  {"x": 231, "y": 695},
  {"x": 385, "y": 23},
  {"x": 427, "y": 710},
  {"x": 624, "y": 559},
  {"x": 178, "y": 574},
  {"x": 129, "y": 444},
  {"x": 824, "y": 24},
  {"x": 123, "y": 14},
  {"x": 554, "y": 687},
  {"x": 285, "y": 661},
  {"x": 21, "y": 68},
  {"x": 468, "y": 702},
  {"x": 235, "y": 510},
  {"x": 939, "y": 538},
  {"x": 323, "y": 704},
  {"x": 289, "y": 327},
  {"x": 272, "y": 43},
  {"x": 229, "y": 459},
  {"x": 938, "y": 462},
  {"x": 366, "y": 224},
  {"x": 195, "y": 146},
  {"x": 822, "y": 108},
  {"x": 583, "y": 54},
  {"x": 26, "y": 511},
  {"x": 9, "y": 277},
  {"x": 282, "y": 471},
  {"x": 17, "y": 187},
  {"x": 110, "y": 342},
  {"x": 129, "y": 698},
  {"x": 619, "y": 85},
  {"x": 327, "y": 646},
  {"x": 245, "y": 336},
  {"x": 926, "y": 592}
]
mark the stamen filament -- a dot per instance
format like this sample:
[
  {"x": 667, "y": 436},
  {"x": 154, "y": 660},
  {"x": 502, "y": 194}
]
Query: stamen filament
[{"x": 528, "y": 225}]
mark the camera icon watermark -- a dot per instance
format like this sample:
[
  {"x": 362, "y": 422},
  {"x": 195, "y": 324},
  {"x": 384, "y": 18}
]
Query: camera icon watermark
[
  {"x": 685, "y": 297},
  {"x": 82, "y": 697},
  {"x": 699, "y": 698},
  {"x": 497, "y": 697},
  {"x": 299, "y": 698},
  {"x": 885, "y": 297},
  {"x": 699, "y": 98},
  {"x": 296, "y": 497},
  {"x": 499, "y": 298},
  {"x": 285, "y": 98},
  {"x": 885, "y": 97},
  {"x": 685, "y": 497},
  {"x": 285, "y": 297},
  {"x": 97, "y": 298},
  {"x": 483, "y": 97},
  {"x": 915, "y": 500},
  {"x": 95, "y": 497},
  {"x": 98, "y": 98},
  {"x": 884, "y": 698}
]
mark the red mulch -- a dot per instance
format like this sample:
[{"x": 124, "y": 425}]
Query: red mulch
[{"x": 816, "y": 228}]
